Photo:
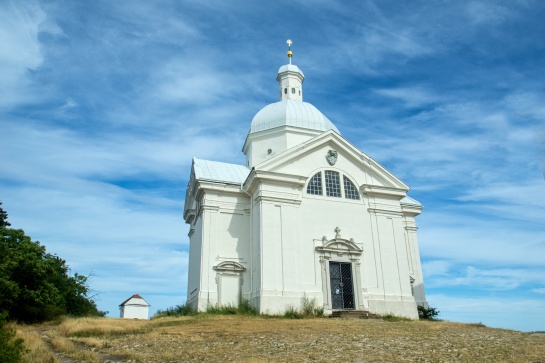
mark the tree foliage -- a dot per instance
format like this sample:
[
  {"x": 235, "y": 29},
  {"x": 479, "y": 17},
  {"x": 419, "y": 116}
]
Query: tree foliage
[
  {"x": 3, "y": 217},
  {"x": 11, "y": 348},
  {"x": 35, "y": 285}
]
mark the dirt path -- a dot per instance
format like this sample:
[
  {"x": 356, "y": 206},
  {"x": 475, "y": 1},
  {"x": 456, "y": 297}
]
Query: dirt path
[{"x": 64, "y": 358}]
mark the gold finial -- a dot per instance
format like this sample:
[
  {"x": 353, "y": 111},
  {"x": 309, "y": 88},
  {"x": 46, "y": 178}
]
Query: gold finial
[{"x": 290, "y": 54}]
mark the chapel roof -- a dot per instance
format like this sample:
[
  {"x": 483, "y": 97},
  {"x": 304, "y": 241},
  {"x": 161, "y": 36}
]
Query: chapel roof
[
  {"x": 220, "y": 172},
  {"x": 291, "y": 110},
  {"x": 135, "y": 296},
  {"x": 290, "y": 68},
  {"x": 410, "y": 201},
  {"x": 291, "y": 113}
]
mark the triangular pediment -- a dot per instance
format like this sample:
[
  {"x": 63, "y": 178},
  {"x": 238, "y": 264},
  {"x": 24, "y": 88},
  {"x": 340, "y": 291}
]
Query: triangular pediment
[{"x": 331, "y": 151}]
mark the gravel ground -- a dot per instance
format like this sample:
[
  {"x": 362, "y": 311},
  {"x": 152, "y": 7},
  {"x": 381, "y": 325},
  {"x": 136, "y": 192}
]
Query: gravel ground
[{"x": 250, "y": 339}]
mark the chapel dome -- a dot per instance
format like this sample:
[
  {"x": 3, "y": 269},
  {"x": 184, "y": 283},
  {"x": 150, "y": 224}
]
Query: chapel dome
[{"x": 291, "y": 113}]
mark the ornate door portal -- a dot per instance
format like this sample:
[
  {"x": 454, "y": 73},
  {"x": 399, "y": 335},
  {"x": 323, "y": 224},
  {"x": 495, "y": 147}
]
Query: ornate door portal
[{"x": 342, "y": 288}]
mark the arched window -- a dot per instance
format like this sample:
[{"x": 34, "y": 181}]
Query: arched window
[
  {"x": 315, "y": 184},
  {"x": 293, "y": 90},
  {"x": 350, "y": 190},
  {"x": 332, "y": 184},
  {"x": 285, "y": 91}
]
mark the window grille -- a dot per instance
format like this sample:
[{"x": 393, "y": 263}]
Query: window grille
[
  {"x": 350, "y": 190},
  {"x": 315, "y": 184},
  {"x": 332, "y": 184}
]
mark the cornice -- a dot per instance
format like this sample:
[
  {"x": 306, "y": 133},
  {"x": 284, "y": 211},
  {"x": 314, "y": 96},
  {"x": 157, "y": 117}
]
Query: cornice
[{"x": 378, "y": 190}]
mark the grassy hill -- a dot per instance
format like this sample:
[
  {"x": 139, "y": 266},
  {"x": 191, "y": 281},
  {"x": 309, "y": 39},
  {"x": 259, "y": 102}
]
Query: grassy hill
[{"x": 213, "y": 338}]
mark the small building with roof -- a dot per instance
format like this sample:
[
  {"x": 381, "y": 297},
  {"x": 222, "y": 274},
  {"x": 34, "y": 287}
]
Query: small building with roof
[
  {"x": 134, "y": 307},
  {"x": 308, "y": 214}
]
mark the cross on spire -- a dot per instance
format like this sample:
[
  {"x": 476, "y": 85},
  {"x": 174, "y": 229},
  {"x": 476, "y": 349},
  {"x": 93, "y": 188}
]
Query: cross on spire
[{"x": 289, "y": 42}]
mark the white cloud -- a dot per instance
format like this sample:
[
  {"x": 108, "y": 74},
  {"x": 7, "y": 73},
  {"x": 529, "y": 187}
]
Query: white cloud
[
  {"x": 486, "y": 13},
  {"x": 412, "y": 97},
  {"x": 488, "y": 279},
  {"x": 459, "y": 239},
  {"x": 436, "y": 268},
  {"x": 19, "y": 50}
]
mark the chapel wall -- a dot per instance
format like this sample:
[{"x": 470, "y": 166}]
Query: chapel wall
[
  {"x": 194, "y": 264},
  {"x": 414, "y": 260},
  {"x": 221, "y": 233},
  {"x": 258, "y": 149}
]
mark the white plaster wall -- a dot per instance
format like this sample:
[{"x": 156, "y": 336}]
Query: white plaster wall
[
  {"x": 278, "y": 140},
  {"x": 225, "y": 236},
  {"x": 290, "y": 266},
  {"x": 134, "y": 312},
  {"x": 194, "y": 264},
  {"x": 414, "y": 262},
  {"x": 274, "y": 237}
]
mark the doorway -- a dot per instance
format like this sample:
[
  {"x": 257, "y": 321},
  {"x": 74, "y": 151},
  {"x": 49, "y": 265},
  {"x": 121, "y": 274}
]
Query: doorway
[{"x": 342, "y": 287}]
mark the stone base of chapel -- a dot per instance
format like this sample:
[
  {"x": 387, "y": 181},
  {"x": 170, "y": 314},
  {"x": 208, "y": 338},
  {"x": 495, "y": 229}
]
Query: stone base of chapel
[{"x": 405, "y": 309}]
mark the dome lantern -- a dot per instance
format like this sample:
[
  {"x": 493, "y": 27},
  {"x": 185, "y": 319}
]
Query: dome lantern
[
  {"x": 282, "y": 125},
  {"x": 290, "y": 79}
]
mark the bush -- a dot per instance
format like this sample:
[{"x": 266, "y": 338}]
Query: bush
[
  {"x": 178, "y": 310},
  {"x": 217, "y": 309},
  {"x": 308, "y": 305},
  {"x": 309, "y": 308},
  {"x": 11, "y": 349},
  {"x": 429, "y": 313},
  {"x": 292, "y": 312},
  {"x": 244, "y": 308},
  {"x": 394, "y": 318}
]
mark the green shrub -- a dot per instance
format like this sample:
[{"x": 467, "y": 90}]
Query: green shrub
[
  {"x": 308, "y": 305},
  {"x": 292, "y": 312},
  {"x": 11, "y": 348},
  {"x": 245, "y": 308},
  {"x": 178, "y": 310},
  {"x": 394, "y": 318},
  {"x": 429, "y": 313},
  {"x": 319, "y": 311},
  {"x": 217, "y": 309},
  {"x": 309, "y": 308}
]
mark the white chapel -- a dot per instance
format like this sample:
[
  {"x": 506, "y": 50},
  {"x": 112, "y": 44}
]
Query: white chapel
[{"x": 309, "y": 213}]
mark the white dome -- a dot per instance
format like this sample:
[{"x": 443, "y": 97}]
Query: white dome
[{"x": 291, "y": 113}]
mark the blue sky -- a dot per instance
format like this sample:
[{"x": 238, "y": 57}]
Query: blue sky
[{"x": 104, "y": 103}]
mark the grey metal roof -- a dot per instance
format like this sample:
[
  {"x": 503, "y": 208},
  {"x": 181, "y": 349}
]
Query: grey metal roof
[
  {"x": 291, "y": 113},
  {"x": 290, "y": 68},
  {"x": 220, "y": 172},
  {"x": 410, "y": 201}
]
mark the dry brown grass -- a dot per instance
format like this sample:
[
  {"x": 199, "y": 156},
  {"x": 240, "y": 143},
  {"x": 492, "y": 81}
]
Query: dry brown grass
[
  {"x": 37, "y": 349},
  {"x": 259, "y": 340},
  {"x": 86, "y": 327},
  {"x": 64, "y": 345}
]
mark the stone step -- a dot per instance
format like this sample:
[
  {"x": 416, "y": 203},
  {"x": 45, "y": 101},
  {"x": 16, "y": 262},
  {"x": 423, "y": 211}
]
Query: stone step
[{"x": 353, "y": 314}]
